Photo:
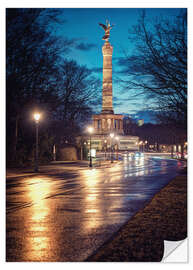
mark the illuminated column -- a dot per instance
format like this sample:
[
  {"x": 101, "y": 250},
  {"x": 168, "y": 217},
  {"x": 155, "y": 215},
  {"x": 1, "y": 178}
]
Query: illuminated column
[
  {"x": 95, "y": 124},
  {"x": 121, "y": 124},
  {"x": 106, "y": 124},
  {"x": 103, "y": 124},
  {"x": 112, "y": 124},
  {"x": 107, "y": 106}
]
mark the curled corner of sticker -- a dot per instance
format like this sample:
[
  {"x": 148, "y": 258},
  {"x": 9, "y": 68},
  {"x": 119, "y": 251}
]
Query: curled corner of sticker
[{"x": 175, "y": 251}]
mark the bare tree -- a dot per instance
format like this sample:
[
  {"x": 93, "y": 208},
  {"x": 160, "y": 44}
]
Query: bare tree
[
  {"x": 32, "y": 55},
  {"x": 77, "y": 89},
  {"x": 159, "y": 67}
]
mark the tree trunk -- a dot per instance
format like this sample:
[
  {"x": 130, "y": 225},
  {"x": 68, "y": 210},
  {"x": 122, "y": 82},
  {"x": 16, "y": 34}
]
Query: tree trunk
[
  {"x": 172, "y": 151},
  {"x": 182, "y": 150},
  {"x": 15, "y": 139}
]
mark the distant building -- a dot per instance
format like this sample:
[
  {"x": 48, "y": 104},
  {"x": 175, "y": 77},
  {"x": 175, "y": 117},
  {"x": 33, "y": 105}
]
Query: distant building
[{"x": 140, "y": 122}]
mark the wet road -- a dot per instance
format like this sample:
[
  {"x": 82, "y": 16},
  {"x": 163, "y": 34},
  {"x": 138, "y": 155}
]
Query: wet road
[{"x": 66, "y": 214}]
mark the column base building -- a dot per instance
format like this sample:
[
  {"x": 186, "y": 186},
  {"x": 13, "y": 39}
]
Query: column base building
[
  {"x": 107, "y": 122},
  {"x": 104, "y": 124}
]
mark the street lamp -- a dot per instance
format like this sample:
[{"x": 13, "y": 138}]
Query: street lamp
[
  {"x": 117, "y": 139},
  {"x": 141, "y": 146},
  {"x": 36, "y": 118},
  {"x": 105, "y": 142},
  {"x": 90, "y": 130},
  {"x": 146, "y": 148},
  {"x": 111, "y": 135},
  {"x": 54, "y": 152}
]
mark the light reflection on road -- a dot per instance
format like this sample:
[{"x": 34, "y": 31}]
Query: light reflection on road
[
  {"x": 92, "y": 178},
  {"x": 37, "y": 243},
  {"x": 67, "y": 218},
  {"x": 97, "y": 201}
]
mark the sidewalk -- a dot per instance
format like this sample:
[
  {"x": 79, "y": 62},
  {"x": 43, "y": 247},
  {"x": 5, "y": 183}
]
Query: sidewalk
[
  {"x": 142, "y": 238},
  {"x": 58, "y": 166}
]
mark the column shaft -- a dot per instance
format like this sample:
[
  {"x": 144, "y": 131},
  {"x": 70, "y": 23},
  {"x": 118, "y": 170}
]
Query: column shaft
[{"x": 107, "y": 106}]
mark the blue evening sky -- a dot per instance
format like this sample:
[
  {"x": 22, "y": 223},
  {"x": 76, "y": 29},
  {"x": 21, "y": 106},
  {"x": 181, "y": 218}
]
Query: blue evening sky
[{"x": 81, "y": 25}]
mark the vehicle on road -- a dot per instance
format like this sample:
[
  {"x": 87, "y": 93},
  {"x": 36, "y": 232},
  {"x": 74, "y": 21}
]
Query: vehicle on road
[
  {"x": 127, "y": 154},
  {"x": 178, "y": 155},
  {"x": 138, "y": 154}
]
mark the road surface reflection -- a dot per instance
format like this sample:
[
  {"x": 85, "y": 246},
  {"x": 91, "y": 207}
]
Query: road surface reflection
[
  {"x": 66, "y": 216},
  {"x": 37, "y": 190}
]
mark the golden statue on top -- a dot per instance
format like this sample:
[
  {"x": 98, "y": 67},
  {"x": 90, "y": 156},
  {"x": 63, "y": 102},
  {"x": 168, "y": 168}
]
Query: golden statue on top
[{"x": 107, "y": 29}]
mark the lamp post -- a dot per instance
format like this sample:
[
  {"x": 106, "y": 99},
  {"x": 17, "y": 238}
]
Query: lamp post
[
  {"x": 111, "y": 135},
  {"x": 146, "y": 142},
  {"x": 90, "y": 130},
  {"x": 36, "y": 118},
  {"x": 139, "y": 146},
  {"x": 54, "y": 152},
  {"x": 105, "y": 148},
  {"x": 117, "y": 139}
]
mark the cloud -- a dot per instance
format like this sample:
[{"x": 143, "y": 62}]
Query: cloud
[
  {"x": 85, "y": 46},
  {"x": 117, "y": 104},
  {"x": 131, "y": 64},
  {"x": 97, "y": 102},
  {"x": 121, "y": 61},
  {"x": 119, "y": 99},
  {"x": 97, "y": 69},
  {"x": 147, "y": 115},
  {"x": 116, "y": 98}
]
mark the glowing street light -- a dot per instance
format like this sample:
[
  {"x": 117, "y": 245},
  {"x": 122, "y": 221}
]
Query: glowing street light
[
  {"x": 111, "y": 135},
  {"x": 36, "y": 118},
  {"x": 105, "y": 146},
  {"x": 145, "y": 146},
  {"x": 90, "y": 130}
]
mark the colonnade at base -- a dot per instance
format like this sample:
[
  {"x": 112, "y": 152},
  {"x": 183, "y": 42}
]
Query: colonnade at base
[{"x": 106, "y": 123}]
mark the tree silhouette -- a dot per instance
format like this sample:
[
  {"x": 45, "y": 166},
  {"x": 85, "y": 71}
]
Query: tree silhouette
[
  {"x": 39, "y": 78},
  {"x": 159, "y": 67}
]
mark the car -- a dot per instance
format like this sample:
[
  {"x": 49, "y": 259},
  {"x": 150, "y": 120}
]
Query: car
[
  {"x": 138, "y": 154},
  {"x": 177, "y": 155},
  {"x": 128, "y": 154}
]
